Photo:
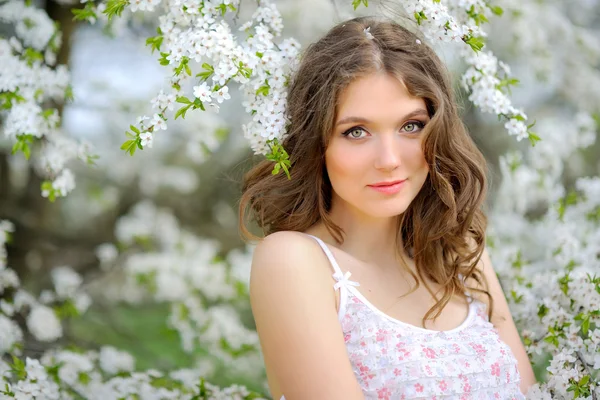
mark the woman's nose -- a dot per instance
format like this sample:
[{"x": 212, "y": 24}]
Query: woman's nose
[{"x": 387, "y": 157}]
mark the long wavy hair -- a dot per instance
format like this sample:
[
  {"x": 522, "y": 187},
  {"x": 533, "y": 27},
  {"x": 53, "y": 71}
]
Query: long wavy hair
[{"x": 443, "y": 229}]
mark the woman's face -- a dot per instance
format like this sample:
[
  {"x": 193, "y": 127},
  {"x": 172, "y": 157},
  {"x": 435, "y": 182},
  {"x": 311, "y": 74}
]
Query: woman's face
[{"x": 377, "y": 140}]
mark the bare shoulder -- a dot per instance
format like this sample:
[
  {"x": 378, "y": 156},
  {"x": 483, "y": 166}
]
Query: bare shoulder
[
  {"x": 293, "y": 304},
  {"x": 282, "y": 243},
  {"x": 288, "y": 255}
]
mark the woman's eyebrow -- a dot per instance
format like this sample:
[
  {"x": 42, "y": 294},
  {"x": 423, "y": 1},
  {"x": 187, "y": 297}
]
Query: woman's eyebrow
[{"x": 353, "y": 119}]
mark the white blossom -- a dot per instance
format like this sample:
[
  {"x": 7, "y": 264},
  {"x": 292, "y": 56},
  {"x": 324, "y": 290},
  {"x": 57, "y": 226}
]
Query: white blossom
[
  {"x": 43, "y": 324},
  {"x": 113, "y": 361}
]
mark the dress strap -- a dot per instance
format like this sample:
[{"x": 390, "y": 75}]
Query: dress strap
[
  {"x": 342, "y": 283},
  {"x": 341, "y": 278}
]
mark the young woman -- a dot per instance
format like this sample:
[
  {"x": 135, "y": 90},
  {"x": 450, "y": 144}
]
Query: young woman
[{"x": 373, "y": 280}]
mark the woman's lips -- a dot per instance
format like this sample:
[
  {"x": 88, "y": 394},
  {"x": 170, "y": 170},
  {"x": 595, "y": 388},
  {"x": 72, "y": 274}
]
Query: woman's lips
[{"x": 388, "y": 188}]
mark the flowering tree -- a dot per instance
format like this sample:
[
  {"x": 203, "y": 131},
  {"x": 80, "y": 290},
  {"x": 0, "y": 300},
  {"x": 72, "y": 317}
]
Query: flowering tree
[{"x": 545, "y": 244}]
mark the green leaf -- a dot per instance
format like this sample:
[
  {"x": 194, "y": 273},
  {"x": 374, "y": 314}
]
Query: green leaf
[
  {"x": 115, "y": 7},
  {"x": 281, "y": 158},
  {"x": 198, "y": 104},
  {"x": 181, "y": 112},
  {"x": 497, "y": 10},
  {"x": 264, "y": 89},
  {"x": 69, "y": 93},
  {"x": 223, "y": 8},
  {"x": 7, "y": 99},
  {"x": 154, "y": 42},
  {"x": 126, "y": 145},
  {"x": 542, "y": 311},
  {"x": 533, "y": 138},
  {"x": 182, "y": 65},
  {"x": 163, "y": 59},
  {"x": 22, "y": 144},
  {"x": 208, "y": 71},
  {"x": 134, "y": 129},
  {"x": 357, "y": 3},
  {"x": 475, "y": 42},
  {"x": 130, "y": 145},
  {"x": 47, "y": 187},
  {"x": 66, "y": 309},
  {"x": 18, "y": 367},
  {"x": 32, "y": 56},
  {"x": 585, "y": 326},
  {"x": 84, "y": 14},
  {"x": 183, "y": 100},
  {"x": 83, "y": 378},
  {"x": 420, "y": 17}
]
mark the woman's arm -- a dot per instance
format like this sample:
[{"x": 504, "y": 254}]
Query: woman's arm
[
  {"x": 294, "y": 307},
  {"x": 503, "y": 321}
]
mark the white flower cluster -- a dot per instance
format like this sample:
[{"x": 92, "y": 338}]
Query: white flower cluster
[
  {"x": 482, "y": 79},
  {"x": 110, "y": 372},
  {"x": 198, "y": 37},
  {"x": 37, "y": 385},
  {"x": 28, "y": 80},
  {"x": 41, "y": 320},
  {"x": 438, "y": 23},
  {"x": 179, "y": 268},
  {"x": 262, "y": 68},
  {"x": 550, "y": 265},
  {"x": 459, "y": 21}
]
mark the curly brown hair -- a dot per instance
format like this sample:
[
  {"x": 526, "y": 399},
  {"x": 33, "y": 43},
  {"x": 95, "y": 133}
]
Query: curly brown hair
[{"x": 443, "y": 229}]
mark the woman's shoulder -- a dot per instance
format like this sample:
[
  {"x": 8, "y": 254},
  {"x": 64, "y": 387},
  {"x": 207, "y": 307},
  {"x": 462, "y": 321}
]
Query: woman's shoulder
[
  {"x": 289, "y": 252},
  {"x": 286, "y": 266},
  {"x": 285, "y": 244}
]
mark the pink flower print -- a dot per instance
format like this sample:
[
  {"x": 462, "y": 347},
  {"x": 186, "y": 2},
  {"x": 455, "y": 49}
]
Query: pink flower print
[
  {"x": 496, "y": 369},
  {"x": 443, "y": 386},
  {"x": 384, "y": 350},
  {"x": 397, "y": 372},
  {"x": 347, "y": 336},
  {"x": 384, "y": 393},
  {"x": 362, "y": 368},
  {"x": 365, "y": 371},
  {"x": 507, "y": 376},
  {"x": 467, "y": 388},
  {"x": 363, "y": 344},
  {"x": 402, "y": 352},
  {"x": 356, "y": 300},
  {"x": 456, "y": 348},
  {"x": 497, "y": 395},
  {"x": 428, "y": 370},
  {"x": 479, "y": 349},
  {"x": 419, "y": 388},
  {"x": 429, "y": 352},
  {"x": 381, "y": 335}
]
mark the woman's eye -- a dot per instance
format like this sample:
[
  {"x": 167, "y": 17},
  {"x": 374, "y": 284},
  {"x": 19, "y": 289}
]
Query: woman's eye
[
  {"x": 354, "y": 133},
  {"x": 412, "y": 127}
]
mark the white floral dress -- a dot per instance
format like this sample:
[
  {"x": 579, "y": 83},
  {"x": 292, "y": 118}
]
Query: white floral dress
[{"x": 395, "y": 360}]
